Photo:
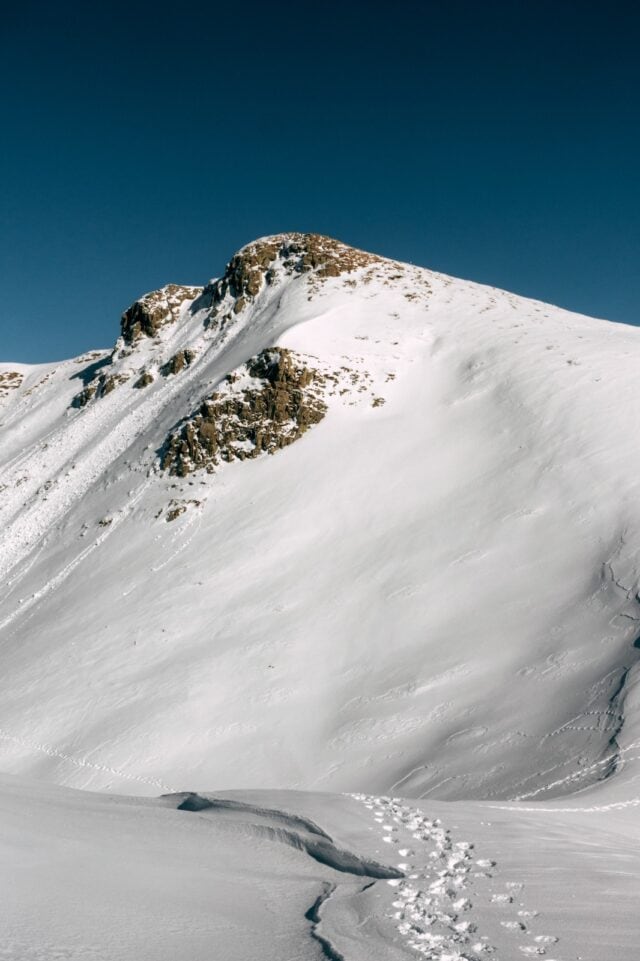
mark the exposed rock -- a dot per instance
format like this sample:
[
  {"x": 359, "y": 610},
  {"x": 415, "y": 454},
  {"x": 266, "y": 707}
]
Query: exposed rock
[
  {"x": 155, "y": 310},
  {"x": 100, "y": 387},
  {"x": 144, "y": 380},
  {"x": 328, "y": 257},
  {"x": 85, "y": 395},
  {"x": 253, "y": 267},
  {"x": 10, "y": 380},
  {"x": 178, "y": 507},
  {"x": 184, "y": 358},
  {"x": 247, "y": 270},
  {"x": 264, "y": 406},
  {"x": 109, "y": 383}
]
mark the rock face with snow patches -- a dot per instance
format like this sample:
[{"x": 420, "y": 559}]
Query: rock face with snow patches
[{"x": 404, "y": 549}]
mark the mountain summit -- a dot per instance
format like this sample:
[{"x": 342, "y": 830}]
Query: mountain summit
[{"x": 329, "y": 521}]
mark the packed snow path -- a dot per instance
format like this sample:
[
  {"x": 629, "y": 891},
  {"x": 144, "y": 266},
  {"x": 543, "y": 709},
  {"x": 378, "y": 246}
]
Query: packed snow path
[{"x": 434, "y": 904}]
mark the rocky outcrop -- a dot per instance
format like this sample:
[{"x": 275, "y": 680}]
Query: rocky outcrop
[
  {"x": 145, "y": 378},
  {"x": 183, "y": 358},
  {"x": 258, "y": 265},
  {"x": 262, "y": 407},
  {"x": 254, "y": 266},
  {"x": 100, "y": 387},
  {"x": 155, "y": 310}
]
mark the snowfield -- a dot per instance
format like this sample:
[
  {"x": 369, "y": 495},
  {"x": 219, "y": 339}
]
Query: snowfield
[
  {"x": 305, "y": 876},
  {"x": 383, "y": 576}
]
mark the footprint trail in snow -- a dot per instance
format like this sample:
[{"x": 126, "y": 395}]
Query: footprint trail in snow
[{"x": 433, "y": 908}]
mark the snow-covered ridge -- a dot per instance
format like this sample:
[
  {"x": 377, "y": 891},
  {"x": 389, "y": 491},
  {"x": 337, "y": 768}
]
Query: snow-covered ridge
[
  {"x": 265, "y": 263},
  {"x": 434, "y": 590}
]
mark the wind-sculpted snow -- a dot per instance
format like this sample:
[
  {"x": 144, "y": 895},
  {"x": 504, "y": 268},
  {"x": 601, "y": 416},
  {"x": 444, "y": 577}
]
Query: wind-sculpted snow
[
  {"x": 237, "y": 876},
  {"x": 290, "y": 829}
]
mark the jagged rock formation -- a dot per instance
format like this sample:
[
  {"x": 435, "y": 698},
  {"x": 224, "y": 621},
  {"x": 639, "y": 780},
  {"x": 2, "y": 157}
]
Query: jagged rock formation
[
  {"x": 155, "y": 310},
  {"x": 260, "y": 408},
  {"x": 266, "y": 262},
  {"x": 252, "y": 267}
]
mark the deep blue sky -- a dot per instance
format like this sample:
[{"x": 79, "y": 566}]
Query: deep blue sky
[{"x": 143, "y": 144}]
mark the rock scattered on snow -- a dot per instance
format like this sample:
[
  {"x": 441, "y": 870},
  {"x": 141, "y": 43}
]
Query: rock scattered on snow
[{"x": 10, "y": 380}]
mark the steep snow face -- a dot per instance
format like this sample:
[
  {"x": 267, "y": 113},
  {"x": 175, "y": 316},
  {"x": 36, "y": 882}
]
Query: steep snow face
[{"x": 431, "y": 587}]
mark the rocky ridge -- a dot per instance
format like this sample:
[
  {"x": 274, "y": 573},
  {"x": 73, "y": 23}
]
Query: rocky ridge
[
  {"x": 258, "y": 265},
  {"x": 271, "y": 400}
]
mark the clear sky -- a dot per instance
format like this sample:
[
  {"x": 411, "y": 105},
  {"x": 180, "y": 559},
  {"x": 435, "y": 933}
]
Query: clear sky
[{"x": 143, "y": 143}]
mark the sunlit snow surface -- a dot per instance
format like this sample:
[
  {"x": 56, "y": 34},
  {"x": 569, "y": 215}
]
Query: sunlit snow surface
[
  {"x": 432, "y": 595},
  {"x": 293, "y": 875}
]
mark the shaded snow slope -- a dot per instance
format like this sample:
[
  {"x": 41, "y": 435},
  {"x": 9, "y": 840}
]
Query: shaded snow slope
[
  {"x": 289, "y": 875},
  {"x": 431, "y": 592}
]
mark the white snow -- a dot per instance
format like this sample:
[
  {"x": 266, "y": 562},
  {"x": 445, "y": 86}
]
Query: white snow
[
  {"x": 433, "y": 595},
  {"x": 302, "y": 875}
]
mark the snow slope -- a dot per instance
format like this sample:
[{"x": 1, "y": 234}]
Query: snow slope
[
  {"x": 289, "y": 875},
  {"x": 431, "y": 593}
]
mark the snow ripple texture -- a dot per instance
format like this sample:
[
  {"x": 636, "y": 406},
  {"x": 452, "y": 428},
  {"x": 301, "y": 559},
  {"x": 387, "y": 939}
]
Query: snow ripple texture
[{"x": 433, "y": 906}]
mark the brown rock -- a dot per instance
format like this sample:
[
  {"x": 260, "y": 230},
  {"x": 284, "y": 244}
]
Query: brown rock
[
  {"x": 237, "y": 423},
  {"x": 155, "y": 310}
]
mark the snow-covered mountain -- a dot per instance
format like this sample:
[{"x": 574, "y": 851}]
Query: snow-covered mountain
[
  {"x": 330, "y": 523},
  {"x": 430, "y": 587}
]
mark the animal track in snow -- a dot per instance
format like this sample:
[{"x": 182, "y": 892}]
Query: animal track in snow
[
  {"x": 433, "y": 905},
  {"x": 432, "y": 900}
]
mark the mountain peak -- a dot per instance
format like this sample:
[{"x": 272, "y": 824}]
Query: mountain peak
[
  {"x": 301, "y": 253},
  {"x": 251, "y": 268},
  {"x": 258, "y": 263}
]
